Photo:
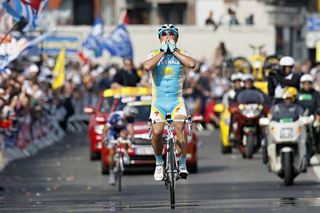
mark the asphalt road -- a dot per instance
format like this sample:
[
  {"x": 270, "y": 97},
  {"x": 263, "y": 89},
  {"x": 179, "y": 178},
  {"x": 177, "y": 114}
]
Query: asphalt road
[{"x": 62, "y": 179}]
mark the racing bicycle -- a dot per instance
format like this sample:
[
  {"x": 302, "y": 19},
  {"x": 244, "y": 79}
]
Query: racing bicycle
[
  {"x": 171, "y": 171},
  {"x": 120, "y": 159}
]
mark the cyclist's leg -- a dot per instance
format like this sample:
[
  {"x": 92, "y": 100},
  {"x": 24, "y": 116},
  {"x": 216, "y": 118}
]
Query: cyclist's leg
[
  {"x": 179, "y": 115},
  {"x": 156, "y": 115},
  {"x": 112, "y": 137}
]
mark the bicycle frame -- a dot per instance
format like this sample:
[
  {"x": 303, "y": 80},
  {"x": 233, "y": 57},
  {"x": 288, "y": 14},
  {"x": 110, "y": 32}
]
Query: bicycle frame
[{"x": 170, "y": 173}]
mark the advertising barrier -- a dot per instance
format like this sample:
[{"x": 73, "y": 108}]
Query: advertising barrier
[{"x": 25, "y": 136}]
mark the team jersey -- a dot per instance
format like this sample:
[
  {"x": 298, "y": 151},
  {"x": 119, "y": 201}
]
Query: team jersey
[
  {"x": 167, "y": 87},
  {"x": 167, "y": 76}
]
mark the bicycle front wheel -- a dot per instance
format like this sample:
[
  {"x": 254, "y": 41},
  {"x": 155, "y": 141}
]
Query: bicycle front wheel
[
  {"x": 172, "y": 172},
  {"x": 119, "y": 174}
]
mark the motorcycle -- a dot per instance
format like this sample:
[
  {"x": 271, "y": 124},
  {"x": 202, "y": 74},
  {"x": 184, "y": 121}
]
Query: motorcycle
[
  {"x": 286, "y": 148},
  {"x": 245, "y": 116}
]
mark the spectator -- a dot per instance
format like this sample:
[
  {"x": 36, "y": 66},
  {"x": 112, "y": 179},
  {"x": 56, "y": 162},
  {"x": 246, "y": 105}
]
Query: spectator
[
  {"x": 315, "y": 72},
  {"x": 126, "y": 76},
  {"x": 233, "y": 17},
  {"x": 202, "y": 89},
  {"x": 210, "y": 20},
  {"x": 220, "y": 54},
  {"x": 104, "y": 82},
  {"x": 250, "y": 20},
  {"x": 219, "y": 85},
  {"x": 306, "y": 66}
]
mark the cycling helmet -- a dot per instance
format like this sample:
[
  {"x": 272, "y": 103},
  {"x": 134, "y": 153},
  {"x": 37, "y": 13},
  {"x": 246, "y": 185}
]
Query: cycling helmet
[
  {"x": 129, "y": 111},
  {"x": 236, "y": 76},
  {"x": 287, "y": 61},
  {"x": 306, "y": 78},
  {"x": 168, "y": 27},
  {"x": 290, "y": 92},
  {"x": 247, "y": 77}
]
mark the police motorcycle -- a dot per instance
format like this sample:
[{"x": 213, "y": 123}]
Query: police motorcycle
[{"x": 286, "y": 134}]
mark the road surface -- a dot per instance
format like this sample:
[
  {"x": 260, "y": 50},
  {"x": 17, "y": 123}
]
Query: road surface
[{"x": 62, "y": 179}]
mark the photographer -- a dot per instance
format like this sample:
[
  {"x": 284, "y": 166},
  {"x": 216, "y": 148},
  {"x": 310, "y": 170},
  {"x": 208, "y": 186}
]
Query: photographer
[{"x": 281, "y": 78}]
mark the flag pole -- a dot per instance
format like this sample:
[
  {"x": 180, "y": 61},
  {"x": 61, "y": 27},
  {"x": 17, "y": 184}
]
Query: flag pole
[{"x": 20, "y": 25}]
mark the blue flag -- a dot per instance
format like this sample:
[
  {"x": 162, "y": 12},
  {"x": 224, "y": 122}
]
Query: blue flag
[
  {"x": 24, "y": 9},
  {"x": 118, "y": 43},
  {"x": 94, "y": 40}
]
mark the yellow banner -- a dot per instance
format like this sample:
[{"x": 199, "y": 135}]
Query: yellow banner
[
  {"x": 127, "y": 91},
  {"x": 59, "y": 71}
]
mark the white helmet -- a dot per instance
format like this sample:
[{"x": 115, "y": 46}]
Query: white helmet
[
  {"x": 247, "y": 77},
  {"x": 306, "y": 78},
  {"x": 287, "y": 61},
  {"x": 168, "y": 27},
  {"x": 129, "y": 111},
  {"x": 236, "y": 76}
]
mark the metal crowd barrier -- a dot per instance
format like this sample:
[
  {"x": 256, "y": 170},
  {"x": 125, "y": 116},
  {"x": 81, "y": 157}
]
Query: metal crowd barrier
[{"x": 27, "y": 136}]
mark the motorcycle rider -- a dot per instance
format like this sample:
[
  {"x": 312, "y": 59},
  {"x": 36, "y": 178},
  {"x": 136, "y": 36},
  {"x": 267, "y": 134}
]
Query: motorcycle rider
[
  {"x": 283, "y": 77},
  {"x": 119, "y": 124},
  {"x": 287, "y": 106},
  {"x": 229, "y": 97},
  {"x": 309, "y": 99},
  {"x": 237, "y": 84},
  {"x": 248, "y": 84}
]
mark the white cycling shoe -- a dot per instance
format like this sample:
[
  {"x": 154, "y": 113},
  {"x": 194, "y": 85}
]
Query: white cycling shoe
[
  {"x": 158, "y": 173},
  {"x": 183, "y": 172}
]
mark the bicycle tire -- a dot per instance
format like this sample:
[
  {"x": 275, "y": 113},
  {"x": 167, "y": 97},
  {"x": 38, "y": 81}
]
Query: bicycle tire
[
  {"x": 171, "y": 172},
  {"x": 119, "y": 174}
]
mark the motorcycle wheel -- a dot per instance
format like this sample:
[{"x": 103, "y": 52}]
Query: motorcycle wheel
[
  {"x": 226, "y": 149},
  {"x": 287, "y": 163},
  {"x": 264, "y": 155},
  {"x": 249, "y": 148}
]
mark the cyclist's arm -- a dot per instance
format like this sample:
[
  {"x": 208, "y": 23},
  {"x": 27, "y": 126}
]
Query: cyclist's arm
[
  {"x": 150, "y": 63},
  {"x": 185, "y": 60},
  {"x": 106, "y": 129},
  {"x": 130, "y": 129}
]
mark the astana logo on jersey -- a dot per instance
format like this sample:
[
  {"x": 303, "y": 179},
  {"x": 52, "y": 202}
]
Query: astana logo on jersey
[{"x": 169, "y": 60}]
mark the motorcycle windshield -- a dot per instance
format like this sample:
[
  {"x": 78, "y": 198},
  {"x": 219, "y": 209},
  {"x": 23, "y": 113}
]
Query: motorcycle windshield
[
  {"x": 250, "y": 97},
  {"x": 284, "y": 114}
]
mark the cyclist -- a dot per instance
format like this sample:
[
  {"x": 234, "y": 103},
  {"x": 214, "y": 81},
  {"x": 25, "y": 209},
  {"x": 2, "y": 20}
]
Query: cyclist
[
  {"x": 282, "y": 78},
  {"x": 167, "y": 67},
  {"x": 119, "y": 124},
  {"x": 309, "y": 99}
]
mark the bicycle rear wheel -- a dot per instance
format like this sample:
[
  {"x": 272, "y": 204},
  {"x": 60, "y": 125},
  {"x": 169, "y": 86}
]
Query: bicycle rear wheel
[{"x": 171, "y": 173}]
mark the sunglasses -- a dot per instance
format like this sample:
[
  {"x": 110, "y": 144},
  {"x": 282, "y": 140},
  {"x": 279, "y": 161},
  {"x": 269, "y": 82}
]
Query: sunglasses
[{"x": 165, "y": 33}]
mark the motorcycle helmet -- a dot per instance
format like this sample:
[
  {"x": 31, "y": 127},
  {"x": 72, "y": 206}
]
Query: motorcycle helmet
[
  {"x": 236, "y": 76},
  {"x": 290, "y": 93},
  {"x": 287, "y": 61},
  {"x": 170, "y": 27},
  {"x": 247, "y": 77},
  {"x": 306, "y": 78}
]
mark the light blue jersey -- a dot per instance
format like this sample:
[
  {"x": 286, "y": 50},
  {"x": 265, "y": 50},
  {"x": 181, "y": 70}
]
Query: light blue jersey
[{"x": 167, "y": 87}]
